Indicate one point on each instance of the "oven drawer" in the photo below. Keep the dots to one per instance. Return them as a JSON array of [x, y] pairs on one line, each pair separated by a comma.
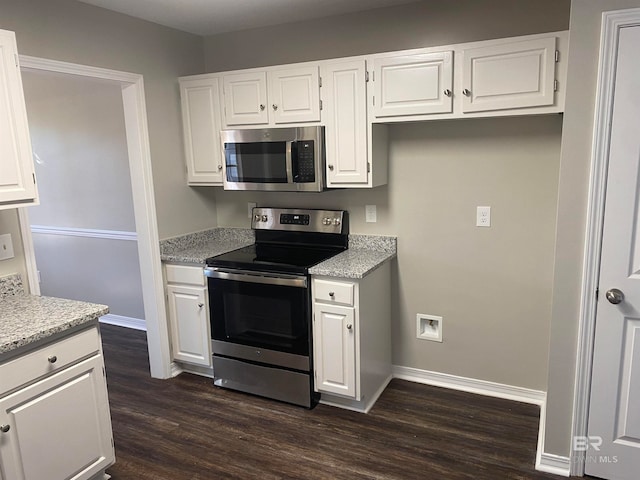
[[329, 291], [185, 274]]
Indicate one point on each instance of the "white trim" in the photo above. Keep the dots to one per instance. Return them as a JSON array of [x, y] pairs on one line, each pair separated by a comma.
[[471, 385], [612, 22], [85, 232], [135, 117], [555, 464], [362, 406], [29, 253], [122, 321]]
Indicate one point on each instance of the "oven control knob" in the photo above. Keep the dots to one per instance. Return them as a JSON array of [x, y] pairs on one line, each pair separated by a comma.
[[336, 221], [264, 218], [326, 221], [256, 218]]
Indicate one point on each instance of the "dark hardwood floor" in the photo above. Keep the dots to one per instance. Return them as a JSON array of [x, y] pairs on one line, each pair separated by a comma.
[[185, 428]]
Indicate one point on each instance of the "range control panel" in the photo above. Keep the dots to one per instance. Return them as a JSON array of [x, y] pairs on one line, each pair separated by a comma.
[[321, 221]]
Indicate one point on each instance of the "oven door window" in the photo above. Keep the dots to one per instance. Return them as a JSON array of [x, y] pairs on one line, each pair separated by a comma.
[[265, 316], [258, 162]]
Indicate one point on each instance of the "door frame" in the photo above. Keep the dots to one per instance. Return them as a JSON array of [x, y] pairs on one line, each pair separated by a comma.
[[612, 22], [137, 133]]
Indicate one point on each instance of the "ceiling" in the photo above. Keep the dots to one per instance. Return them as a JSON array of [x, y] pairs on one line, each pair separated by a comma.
[[209, 17]]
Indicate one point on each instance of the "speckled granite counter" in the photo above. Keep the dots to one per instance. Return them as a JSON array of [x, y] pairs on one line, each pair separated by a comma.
[[365, 254], [11, 285], [27, 320], [197, 247]]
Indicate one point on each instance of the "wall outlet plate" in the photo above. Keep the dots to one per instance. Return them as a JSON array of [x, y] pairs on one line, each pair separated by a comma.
[[429, 327], [483, 216], [250, 207], [6, 247], [370, 214]]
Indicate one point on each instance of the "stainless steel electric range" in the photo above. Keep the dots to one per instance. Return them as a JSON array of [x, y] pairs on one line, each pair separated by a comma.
[[260, 303]]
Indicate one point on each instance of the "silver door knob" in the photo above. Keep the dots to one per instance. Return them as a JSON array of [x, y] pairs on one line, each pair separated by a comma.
[[332, 294], [52, 359], [5, 428], [447, 92], [274, 106], [614, 296], [330, 167], [200, 305], [262, 107], [349, 326], [219, 167], [466, 92]]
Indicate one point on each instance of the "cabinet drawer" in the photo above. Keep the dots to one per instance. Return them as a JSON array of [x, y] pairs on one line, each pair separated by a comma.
[[328, 291], [41, 362], [185, 274]]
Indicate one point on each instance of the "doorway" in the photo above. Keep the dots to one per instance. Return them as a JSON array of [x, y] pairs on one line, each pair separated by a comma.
[[137, 139]]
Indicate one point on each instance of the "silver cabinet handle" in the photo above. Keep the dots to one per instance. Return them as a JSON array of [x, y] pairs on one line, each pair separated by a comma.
[[5, 428], [275, 107], [349, 326], [330, 167], [219, 167], [447, 92], [262, 107], [466, 92], [200, 305], [52, 359], [332, 294], [615, 296]]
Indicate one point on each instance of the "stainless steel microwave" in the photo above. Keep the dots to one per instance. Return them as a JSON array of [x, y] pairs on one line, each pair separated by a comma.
[[274, 159]]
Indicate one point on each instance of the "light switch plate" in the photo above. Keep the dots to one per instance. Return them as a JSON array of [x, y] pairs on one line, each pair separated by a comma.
[[6, 247], [370, 214]]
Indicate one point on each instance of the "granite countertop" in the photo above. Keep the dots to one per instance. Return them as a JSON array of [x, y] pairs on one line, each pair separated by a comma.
[[197, 247], [365, 253], [29, 319]]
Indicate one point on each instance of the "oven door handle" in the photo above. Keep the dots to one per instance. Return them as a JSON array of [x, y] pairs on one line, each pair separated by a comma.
[[255, 277]]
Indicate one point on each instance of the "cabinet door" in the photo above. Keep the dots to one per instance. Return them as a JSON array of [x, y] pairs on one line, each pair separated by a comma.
[[188, 315], [17, 179], [512, 75], [201, 119], [294, 95], [345, 105], [245, 99], [335, 349], [59, 427], [413, 84]]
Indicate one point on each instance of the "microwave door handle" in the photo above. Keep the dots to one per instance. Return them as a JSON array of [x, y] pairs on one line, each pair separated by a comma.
[[289, 161]]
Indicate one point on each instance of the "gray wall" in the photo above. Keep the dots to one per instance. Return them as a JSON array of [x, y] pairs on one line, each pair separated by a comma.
[[79, 141], [586, 18], [75, 32], [492, 286]]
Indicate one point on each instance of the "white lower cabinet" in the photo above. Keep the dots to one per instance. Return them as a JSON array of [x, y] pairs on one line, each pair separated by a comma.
[[352, 338], [58, 426], [188, 314]]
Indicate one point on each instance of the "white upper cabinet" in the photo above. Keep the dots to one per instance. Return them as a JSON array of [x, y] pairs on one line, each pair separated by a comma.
[[201, 124], [294, 95], [17, 177], [245, 99], [413, 84], [507, 76], [345, 118], [272, 97]]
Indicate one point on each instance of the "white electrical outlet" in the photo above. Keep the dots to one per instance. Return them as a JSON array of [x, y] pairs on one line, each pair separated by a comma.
[[250, 207], [6, 247], [483, 217], [370, 214]]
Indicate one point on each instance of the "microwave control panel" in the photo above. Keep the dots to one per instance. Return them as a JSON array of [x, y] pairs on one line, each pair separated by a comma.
[[303, 161]]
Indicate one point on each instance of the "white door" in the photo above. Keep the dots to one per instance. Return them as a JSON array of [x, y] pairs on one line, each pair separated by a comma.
[[614, 414], [294, 95], [512, 75], [190, 335], [413, 84], [201, 121], [17, 180], [345, 111], [59, 427], [334, 348], [245, 99]]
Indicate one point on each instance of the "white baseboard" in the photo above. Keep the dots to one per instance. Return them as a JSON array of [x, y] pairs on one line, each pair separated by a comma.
[[121, 321], [545, 462], [471, 385]]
